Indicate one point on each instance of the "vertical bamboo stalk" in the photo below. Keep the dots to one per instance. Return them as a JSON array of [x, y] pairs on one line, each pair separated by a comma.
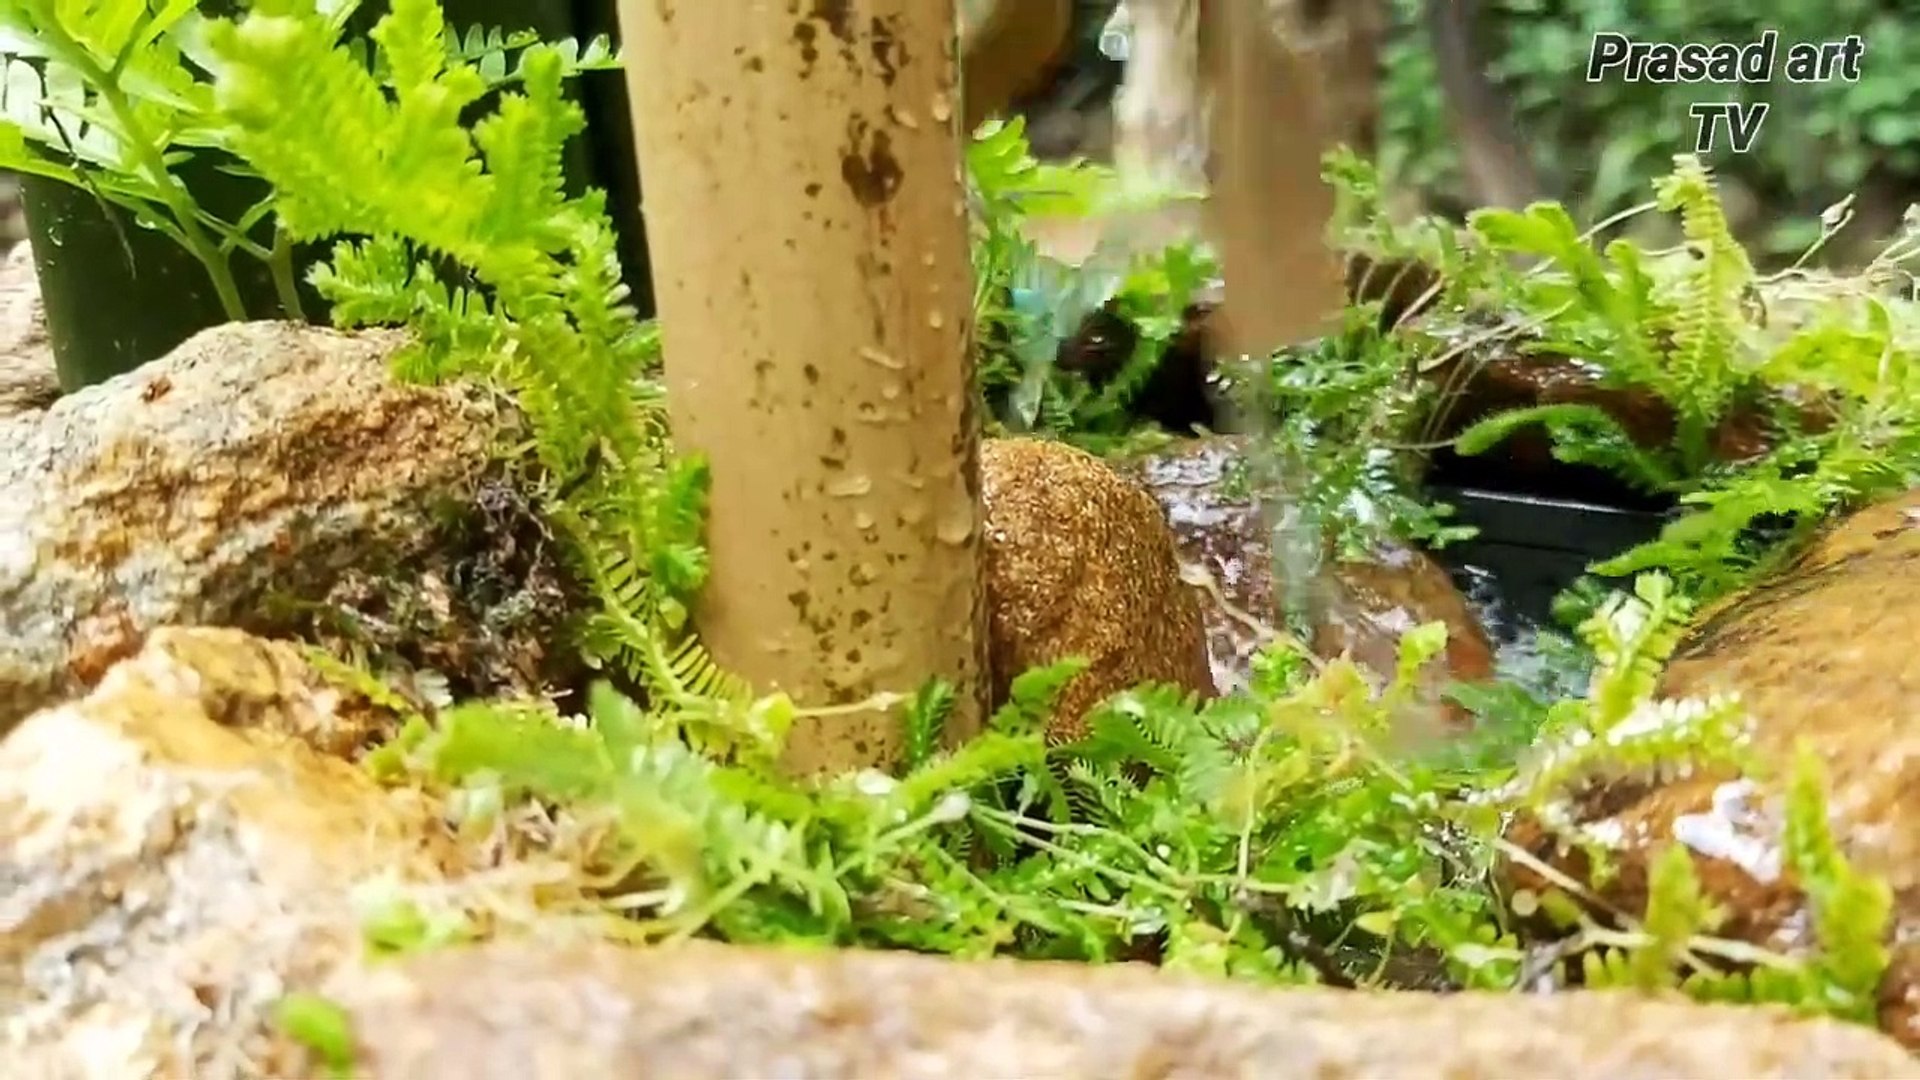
[[806, 215]]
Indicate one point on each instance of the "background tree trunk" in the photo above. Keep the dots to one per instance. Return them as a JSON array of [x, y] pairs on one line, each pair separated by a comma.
[[806, 213], [1008, 49], [1278, 107], [1495, 161], [1160, 110]]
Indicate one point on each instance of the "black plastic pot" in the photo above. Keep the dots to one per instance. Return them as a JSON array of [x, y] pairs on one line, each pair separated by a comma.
[[118, 296], [1533, 547]]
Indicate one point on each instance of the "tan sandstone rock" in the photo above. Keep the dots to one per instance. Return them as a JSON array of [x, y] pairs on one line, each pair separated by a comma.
[[175, 856], [1080, 563], [527, 1012], [1822, 653]]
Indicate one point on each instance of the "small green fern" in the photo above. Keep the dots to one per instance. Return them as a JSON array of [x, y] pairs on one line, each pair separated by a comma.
[[1028, 305], [468, 237], [1709, 324]]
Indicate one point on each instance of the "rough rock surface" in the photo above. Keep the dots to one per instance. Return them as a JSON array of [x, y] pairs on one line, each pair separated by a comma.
[[151, 916], [28, 379], [519, 1012], [174, 855], [13, 220], [1820, 654], [1366, 606], [1080, 563], [263, 475]]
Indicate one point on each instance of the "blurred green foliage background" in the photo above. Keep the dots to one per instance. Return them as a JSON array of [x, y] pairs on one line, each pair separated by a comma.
[[1596, 146]]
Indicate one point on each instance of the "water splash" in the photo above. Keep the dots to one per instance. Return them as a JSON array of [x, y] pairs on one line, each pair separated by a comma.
[[1116, 36], [1275, 471]]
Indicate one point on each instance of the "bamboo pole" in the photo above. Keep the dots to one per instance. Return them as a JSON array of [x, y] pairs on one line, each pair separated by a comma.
[[806, 211]]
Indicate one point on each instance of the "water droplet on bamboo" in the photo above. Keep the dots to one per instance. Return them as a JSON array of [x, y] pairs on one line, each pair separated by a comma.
[[885, 360], [957, 526], [936, 320], [941, 109], [848, 487], [906, 119], [890, 391], [863, 521]]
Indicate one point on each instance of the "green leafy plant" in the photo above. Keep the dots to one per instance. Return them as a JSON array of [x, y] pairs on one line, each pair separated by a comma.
[[1789, 395], [465, 234], [1216, 831], [1028, 305], [456, 224], [116, 97], [1595, 144], [1700, 331], [1334, 411], [1264, 836], [322, 1027], [1681, 337]]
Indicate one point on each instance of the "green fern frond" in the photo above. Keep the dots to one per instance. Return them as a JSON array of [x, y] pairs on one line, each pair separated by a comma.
[[1710, 317], [500, 56], [1677, 910], [1852, 911], [926, 721]]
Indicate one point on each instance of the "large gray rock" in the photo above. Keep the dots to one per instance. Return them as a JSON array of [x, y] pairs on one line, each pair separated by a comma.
[[175, 855], [271, 477]]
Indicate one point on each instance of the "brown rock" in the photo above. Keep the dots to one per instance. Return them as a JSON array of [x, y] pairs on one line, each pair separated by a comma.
[[1080, 563], [174, 855], [28, 379], [1501, 377], [1364, 607], [1821, 653], [273, 478], [530, 1012]]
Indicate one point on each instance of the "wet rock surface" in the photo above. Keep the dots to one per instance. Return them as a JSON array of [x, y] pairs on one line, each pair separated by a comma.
[[270, 477], [1498, 378], [175, 854], [1365, 606], [524, 1012], [1821, 655], [1080, 563]]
